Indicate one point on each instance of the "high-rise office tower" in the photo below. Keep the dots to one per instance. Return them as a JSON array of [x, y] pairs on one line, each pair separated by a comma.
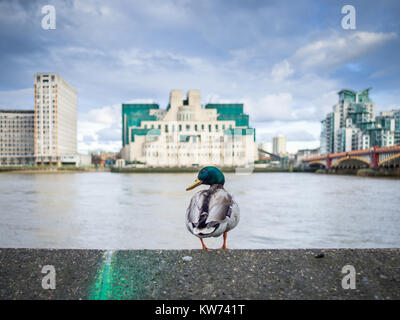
[[353, 126], [55, 127], [279, 145]]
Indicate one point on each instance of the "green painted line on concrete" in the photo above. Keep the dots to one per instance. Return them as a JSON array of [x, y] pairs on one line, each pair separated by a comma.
[[131, 275], [125, 275], [102, 287]]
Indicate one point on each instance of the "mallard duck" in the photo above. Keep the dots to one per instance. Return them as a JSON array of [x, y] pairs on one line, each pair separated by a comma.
[[212, 211]]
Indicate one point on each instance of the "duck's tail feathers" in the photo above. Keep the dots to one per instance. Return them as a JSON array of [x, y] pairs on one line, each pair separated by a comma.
[[205, 231]]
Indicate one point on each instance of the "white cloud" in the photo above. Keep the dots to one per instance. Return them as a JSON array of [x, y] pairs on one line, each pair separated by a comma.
[[100, 129], [157, 60], [299, 134], [339, 49], [92, 7], [140, 101], [271, 107], [281, 71]]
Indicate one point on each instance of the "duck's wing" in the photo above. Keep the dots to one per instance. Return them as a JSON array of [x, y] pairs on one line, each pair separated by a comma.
[[195, 208], [220, 206]]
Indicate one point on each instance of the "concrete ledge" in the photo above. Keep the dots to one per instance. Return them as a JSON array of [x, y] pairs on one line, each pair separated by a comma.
[[197, 274]]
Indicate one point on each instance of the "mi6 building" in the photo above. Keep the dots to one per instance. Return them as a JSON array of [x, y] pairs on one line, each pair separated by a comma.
[[187, 134]]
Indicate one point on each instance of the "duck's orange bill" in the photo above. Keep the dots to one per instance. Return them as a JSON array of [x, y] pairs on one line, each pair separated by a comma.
[[194, 185]]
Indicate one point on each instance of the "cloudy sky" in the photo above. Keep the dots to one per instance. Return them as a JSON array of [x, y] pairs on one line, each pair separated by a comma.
[[286, 60]]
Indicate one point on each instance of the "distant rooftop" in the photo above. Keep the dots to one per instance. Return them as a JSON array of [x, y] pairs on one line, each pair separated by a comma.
[[355, 92], [17, 111]]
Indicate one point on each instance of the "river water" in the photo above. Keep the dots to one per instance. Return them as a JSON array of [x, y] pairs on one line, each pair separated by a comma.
[[147, 211]]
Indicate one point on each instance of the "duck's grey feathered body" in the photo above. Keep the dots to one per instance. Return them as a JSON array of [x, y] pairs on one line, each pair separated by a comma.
[[212, 212]]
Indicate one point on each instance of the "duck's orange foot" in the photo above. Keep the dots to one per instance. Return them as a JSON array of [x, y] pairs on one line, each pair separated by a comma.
[[224, 245], [203, 245]]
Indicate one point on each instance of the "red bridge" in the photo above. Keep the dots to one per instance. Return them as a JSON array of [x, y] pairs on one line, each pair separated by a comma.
[[385, 157]]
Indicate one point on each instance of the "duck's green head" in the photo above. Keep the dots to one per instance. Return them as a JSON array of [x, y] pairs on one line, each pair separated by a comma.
[[209, 176]]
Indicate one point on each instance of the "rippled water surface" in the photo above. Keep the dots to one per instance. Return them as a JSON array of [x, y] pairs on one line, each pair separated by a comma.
[[132, 211]]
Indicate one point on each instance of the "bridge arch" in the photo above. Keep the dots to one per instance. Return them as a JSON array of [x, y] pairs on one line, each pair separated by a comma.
[[389, 159], [351, 161], [317, 162]]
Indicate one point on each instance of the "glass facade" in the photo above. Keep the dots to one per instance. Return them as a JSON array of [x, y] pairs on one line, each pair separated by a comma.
[[230, 111], [144, 132], [132, 116], [233, 111]]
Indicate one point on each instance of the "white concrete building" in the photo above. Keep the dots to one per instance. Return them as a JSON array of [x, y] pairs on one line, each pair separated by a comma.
[[186, 134], [344, 139], [16, 137], [55, 118], [279, 145], [77, 160]]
